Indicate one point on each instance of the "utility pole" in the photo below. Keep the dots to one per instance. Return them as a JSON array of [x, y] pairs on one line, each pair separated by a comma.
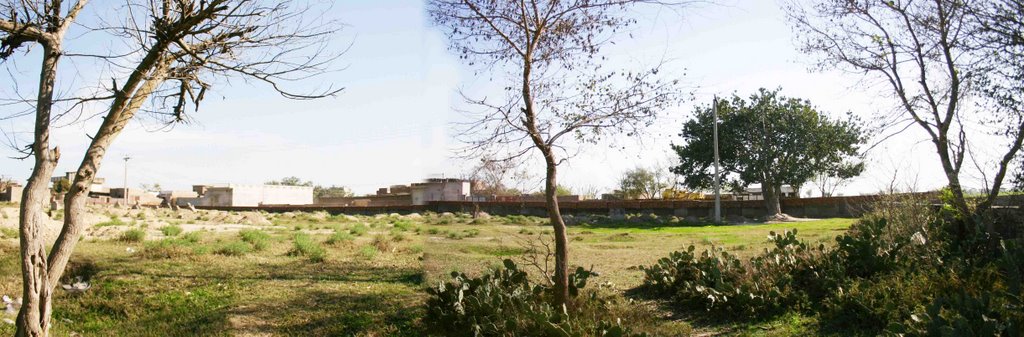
[[718, 193], [126, 179]]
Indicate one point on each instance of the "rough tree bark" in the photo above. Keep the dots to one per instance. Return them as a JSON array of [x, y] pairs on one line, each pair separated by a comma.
[[34, 316], [43, 24]]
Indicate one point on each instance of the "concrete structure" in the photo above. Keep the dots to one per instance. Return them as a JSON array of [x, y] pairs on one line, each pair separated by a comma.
[[134, 196], [440, 189], [755, 193], [11, 192], [232, 195], [97, 187], [171, 197]]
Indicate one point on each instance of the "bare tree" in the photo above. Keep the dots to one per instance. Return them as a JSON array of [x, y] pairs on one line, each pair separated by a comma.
[[557, 90], [42, 23], [929, 55], [492, 175], [183, 48]]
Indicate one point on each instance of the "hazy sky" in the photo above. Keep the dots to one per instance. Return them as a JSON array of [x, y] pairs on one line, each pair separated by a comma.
[[393, 122]]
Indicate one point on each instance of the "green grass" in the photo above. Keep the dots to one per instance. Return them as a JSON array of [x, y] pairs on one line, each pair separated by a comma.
[[7, 232], [114, 221], [340, 237], [368, 252], [305, 246], [234, 248], [259, 240], [183, 286], [358, 229], [171, 230], [133, 235]]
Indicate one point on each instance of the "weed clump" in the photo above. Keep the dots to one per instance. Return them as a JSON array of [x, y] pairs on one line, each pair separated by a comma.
[[303, 245], [114, 221], [259, 240], [368, 252], [132, 235], [358, 229], [170, 230], [340, 237], [234, 248]]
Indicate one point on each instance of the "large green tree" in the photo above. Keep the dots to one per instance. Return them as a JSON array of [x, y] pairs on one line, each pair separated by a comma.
[[642, 183], [767, 139]]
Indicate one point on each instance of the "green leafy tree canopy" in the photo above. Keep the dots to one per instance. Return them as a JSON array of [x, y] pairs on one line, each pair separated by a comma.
[[768, 139]]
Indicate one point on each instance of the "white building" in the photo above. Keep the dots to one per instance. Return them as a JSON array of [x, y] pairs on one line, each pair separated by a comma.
[[756, 193], [250, 195], [440, 190]]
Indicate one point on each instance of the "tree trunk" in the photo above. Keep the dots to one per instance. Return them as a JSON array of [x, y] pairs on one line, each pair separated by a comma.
[[771, 194], [34, 316], [561, 239], [78, 194]]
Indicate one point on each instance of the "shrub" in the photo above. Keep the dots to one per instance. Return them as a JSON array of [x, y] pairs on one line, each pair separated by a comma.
[[170, 230], [787, 276], [234, 248], [133, 235], [259, 240], [303, 245], [505, 303]]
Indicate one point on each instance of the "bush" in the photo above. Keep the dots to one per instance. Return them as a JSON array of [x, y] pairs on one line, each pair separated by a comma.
[[303, 245], [259, 240], [787, 276], [901, 270], [170, 230], [234, 248], [133, 235], [505, 303]]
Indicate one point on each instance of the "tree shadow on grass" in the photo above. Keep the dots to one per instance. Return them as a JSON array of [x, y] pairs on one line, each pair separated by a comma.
[[336, 313]]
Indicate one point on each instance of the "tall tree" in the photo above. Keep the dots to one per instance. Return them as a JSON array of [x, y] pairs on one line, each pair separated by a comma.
[[43, 23], [556, 88], [642, 183], [1000, 34], [769, 139], [934, 57], [181, 48]]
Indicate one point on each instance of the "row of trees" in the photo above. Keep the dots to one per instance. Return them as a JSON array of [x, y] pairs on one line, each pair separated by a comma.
[[174, 53], [934, 56], [319, 191]]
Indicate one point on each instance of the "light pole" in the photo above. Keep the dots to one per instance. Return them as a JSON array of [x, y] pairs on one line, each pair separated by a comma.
[[718, 194], [126, 180]]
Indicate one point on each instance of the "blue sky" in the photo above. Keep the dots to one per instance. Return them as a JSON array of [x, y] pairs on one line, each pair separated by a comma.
[[393, 122]]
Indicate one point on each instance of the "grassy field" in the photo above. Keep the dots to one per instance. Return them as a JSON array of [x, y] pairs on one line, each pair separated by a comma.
[[317, 275]]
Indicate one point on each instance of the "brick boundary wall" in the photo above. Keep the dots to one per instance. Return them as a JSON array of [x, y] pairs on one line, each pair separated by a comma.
[[830, 207]]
